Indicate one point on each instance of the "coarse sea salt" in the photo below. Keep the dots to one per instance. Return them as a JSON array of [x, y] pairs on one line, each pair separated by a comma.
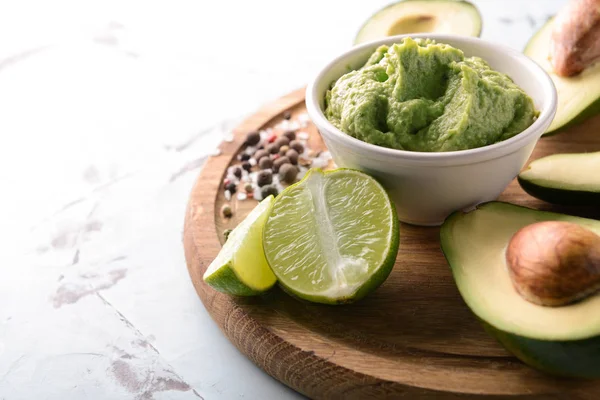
[[319, 162], [228, 137], [283, 125], [278, 185], [303, 135], [304, 119], [242, 196], [301, 173], [227, 195], [232, 178]]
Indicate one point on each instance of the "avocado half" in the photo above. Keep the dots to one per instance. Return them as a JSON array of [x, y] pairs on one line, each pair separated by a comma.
[[570, 179], [578, 96], [413, 16], [559, 340]]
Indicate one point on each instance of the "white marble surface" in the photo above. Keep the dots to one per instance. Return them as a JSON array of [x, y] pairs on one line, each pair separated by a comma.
[[108, 111]]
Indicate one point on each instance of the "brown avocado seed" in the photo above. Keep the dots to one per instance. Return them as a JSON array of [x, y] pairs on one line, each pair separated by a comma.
[[554, 263]]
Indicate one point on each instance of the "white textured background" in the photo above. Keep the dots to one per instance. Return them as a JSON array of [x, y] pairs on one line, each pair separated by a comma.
[[108, 110]]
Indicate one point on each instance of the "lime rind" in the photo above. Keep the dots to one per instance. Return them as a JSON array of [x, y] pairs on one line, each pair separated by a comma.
[[225, 280], [240, 268]]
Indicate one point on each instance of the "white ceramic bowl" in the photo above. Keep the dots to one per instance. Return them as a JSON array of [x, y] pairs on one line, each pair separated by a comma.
[[427, 187]]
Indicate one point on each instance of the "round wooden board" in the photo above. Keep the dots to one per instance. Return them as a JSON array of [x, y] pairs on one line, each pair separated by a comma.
[[412, 338]]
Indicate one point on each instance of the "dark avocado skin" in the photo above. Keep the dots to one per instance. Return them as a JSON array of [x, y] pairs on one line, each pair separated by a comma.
[[574, 359], [560, 196]]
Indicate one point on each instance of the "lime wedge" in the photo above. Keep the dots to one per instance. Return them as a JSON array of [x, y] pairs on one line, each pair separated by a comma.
[[333, 237], [240, 268]]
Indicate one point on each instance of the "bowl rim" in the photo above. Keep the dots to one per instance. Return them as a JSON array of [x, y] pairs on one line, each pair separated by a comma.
[[490, 151]]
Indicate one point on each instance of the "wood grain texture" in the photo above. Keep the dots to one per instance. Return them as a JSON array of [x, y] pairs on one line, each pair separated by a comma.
[[412, 338]]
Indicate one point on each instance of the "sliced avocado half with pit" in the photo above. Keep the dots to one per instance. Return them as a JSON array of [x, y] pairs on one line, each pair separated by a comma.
[[570, 179], [559, 340], [414, 16], [578, 96]]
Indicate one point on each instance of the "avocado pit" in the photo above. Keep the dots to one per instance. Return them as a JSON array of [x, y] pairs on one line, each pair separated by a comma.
[[412, 24], [576, 37], [554, 263]]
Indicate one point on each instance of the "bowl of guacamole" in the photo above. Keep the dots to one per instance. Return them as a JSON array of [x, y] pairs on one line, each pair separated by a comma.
[[421, 95], [443, 121]]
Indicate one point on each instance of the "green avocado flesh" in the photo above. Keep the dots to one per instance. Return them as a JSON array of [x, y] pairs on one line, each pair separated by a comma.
[[560, 340], [578, 96], [441, 16], [420, 95], [572, 179]]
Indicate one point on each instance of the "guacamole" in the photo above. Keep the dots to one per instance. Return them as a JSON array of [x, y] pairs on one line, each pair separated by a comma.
[[420, 95]]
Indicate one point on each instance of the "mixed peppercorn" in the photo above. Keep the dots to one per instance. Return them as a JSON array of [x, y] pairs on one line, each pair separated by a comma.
[[269, 162]]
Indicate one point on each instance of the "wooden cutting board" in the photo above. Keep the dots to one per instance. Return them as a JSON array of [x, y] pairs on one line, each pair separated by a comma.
[[412, 338]]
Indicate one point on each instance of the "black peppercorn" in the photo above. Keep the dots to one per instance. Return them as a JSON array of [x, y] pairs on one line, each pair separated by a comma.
[[288, 173], [268, 190], [292, 155], [279, 162], [260, 154], [252, 138], [231, 187], [291, 135], [226, 210], [282, 141], [265, 163], [296, 145], [264, 178]]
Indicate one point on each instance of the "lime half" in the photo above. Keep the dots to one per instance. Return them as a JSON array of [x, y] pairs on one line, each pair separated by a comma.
[[332, 237], [240, 268]]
